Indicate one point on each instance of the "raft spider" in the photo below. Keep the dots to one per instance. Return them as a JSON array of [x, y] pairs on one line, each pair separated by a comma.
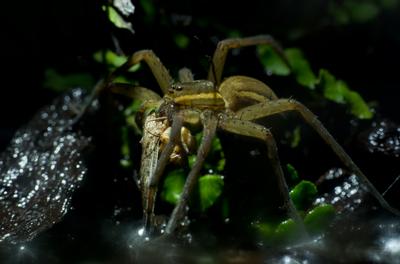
[[232, 105]]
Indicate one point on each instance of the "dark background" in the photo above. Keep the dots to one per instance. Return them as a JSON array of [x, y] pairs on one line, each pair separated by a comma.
[[64, 35]]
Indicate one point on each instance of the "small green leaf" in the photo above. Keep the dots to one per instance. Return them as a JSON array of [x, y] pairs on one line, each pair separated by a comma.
[[292, 172], [286, 231], [210, 188], [302, 194], [149, 9], [358, 106], [125, 161], [113, 60], [191, 160], [389, 4], [181, 40], [362, 11], [60, 83], [225, 208], [339, 92], [333, 90], [318, 219], [296, 137], [118, 20], [266, 230], [173, 186], [272, 61], [301, 68]]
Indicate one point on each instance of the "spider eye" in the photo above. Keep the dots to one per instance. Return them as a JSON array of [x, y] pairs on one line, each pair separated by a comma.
[[178, 87]]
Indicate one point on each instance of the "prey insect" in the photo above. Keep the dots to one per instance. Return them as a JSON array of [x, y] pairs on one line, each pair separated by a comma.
[[232, 104]]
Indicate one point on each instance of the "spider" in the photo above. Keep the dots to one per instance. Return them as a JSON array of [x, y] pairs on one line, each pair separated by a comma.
[[232, 105]]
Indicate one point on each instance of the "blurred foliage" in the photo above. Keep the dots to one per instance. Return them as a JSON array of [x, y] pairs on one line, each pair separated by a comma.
[[173, 186], [210, 188], [332, 88], [64, 82], [294, 176], [316, 219], [210, 183], [118, 19], [359, 11], [303, 194]]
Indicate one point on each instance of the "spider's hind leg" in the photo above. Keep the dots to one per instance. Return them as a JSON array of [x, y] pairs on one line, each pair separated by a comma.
[[249, 129], [284, 105]]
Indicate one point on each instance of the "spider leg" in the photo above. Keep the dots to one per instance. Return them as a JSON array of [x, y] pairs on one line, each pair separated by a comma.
[[283, 105], [209, 129], [240, 91], [150, 183], [219, 57], [250, 129], [157, 68], [135, 92]]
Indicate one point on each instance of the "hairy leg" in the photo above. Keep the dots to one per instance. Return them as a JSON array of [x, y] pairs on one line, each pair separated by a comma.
[[241, 91], [157, 68], [283, 105], [250, 129], [135, 92], [209, 127], [219, 57]]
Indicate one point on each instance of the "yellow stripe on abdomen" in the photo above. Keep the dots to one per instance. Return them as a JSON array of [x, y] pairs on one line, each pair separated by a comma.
[[202, 100]]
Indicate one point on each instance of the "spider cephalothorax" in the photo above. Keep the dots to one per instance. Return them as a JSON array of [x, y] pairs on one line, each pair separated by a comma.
[[231, 105]]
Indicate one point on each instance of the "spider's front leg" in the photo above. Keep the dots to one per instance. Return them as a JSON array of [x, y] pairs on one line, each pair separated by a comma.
[[159, 71], [283, 105], [219, 57], [209, 121], [250, 129]]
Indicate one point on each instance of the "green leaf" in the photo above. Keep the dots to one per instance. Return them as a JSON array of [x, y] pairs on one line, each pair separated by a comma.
[[292, 172], [149, 9], [130, 116], [267, 230], [362, 11], [302, 194], [181, 40], [318, 219], [210, 188], [117, 19], [339, 92], [389, 4], [60, 83], [173, 186], [272, 61], [286, 231], [358, 106], [215, 160], [301, 68], [113, 60], [296, 137]]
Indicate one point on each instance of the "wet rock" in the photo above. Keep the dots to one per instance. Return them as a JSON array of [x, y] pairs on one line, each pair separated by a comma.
[[383, 138], [41, 168]]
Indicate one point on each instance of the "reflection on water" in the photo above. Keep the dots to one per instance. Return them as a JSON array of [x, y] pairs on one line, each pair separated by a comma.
[[360, 234]]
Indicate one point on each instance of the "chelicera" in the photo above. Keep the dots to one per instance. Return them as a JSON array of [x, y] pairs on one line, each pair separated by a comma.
[[232, 105]]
